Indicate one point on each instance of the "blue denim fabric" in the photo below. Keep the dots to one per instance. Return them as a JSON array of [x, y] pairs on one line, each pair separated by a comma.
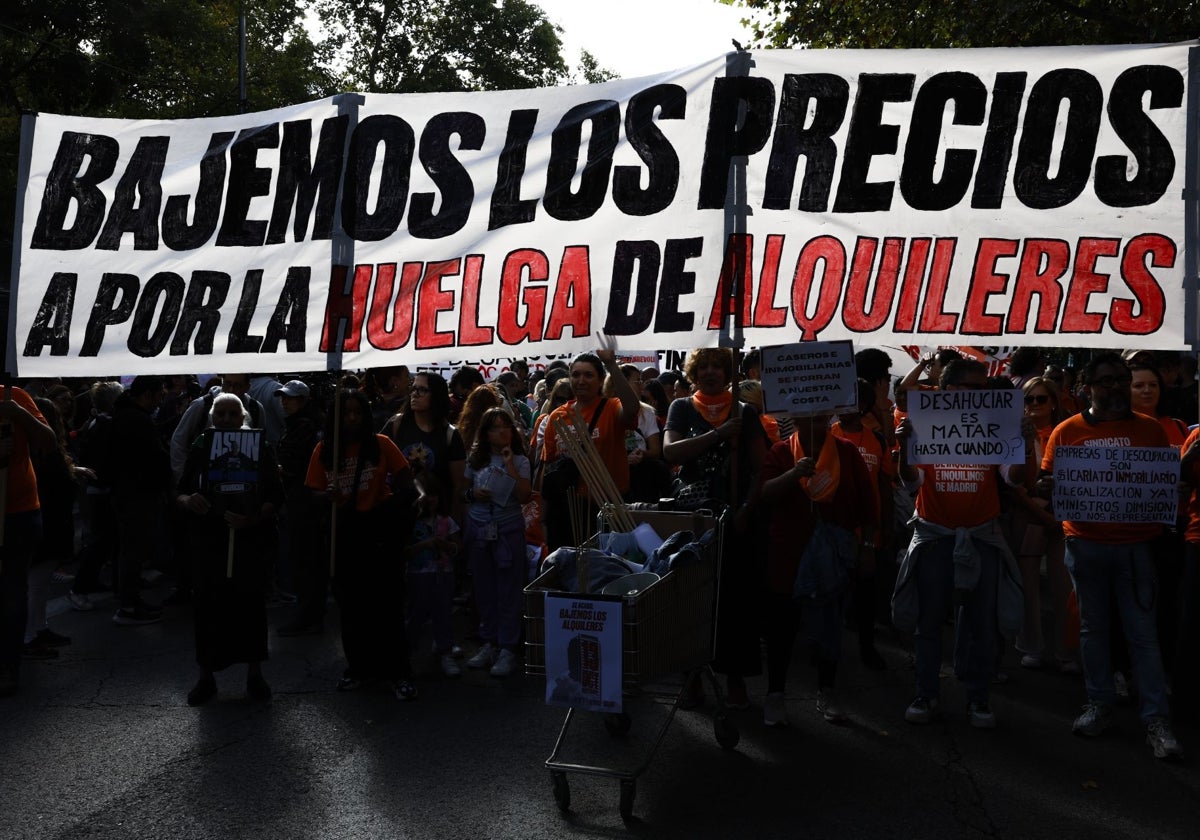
[[935, 592], [1101, 572]]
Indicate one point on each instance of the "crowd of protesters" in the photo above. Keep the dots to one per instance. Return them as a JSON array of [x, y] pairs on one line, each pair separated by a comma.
[[404, 495]]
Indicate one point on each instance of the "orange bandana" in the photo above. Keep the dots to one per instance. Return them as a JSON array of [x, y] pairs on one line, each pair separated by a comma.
[[715, 410], [821, 486]]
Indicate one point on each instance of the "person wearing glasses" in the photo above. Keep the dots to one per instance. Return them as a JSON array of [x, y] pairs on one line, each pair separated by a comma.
[[431, 445], [1038, 535], [1114, 561], [958, 554]]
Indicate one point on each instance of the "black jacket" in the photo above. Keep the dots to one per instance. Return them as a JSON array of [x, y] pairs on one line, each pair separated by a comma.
[[137, 463]]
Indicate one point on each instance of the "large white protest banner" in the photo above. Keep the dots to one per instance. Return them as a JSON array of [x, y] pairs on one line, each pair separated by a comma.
[[966, 427], [998, 196], [1116, 484]]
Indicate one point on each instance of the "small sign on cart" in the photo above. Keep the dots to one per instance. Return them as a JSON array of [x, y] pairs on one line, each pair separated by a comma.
[[583, 653]]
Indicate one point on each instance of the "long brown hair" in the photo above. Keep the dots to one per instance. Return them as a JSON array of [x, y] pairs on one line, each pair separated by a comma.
[[481, 451]]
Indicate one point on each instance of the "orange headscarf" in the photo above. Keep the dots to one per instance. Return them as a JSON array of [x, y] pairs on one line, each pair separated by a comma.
[[822, 484]]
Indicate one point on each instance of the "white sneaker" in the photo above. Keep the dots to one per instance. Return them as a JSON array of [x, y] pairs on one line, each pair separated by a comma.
[[1095, 720], [775, 709], [828, 706], [1121, 686], [450, 666], [80, 602], [506, 663], [1162, 740], [485, 657], [981, 715]]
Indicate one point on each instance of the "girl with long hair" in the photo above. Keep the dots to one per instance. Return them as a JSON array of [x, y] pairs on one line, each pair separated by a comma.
[[498, 477]]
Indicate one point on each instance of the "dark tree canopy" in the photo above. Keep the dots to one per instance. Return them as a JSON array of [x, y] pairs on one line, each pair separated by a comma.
[[966, 23], [409, 46]]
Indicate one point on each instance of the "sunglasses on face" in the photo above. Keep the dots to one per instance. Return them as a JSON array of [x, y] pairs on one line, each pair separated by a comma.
[[1037, 399], [1113, 381]]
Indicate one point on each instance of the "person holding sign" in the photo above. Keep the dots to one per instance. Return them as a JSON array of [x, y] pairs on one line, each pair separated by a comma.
[[824, 511], [957, 553], [1114, 560], [497, 476], [231, 488]]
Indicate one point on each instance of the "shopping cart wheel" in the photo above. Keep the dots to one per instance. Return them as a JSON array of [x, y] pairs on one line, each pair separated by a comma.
[[628, 792], [618, 724], [562, 791], [726, 732]]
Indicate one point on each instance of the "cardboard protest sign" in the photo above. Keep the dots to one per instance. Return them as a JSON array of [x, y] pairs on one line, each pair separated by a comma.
[[584, 656], [817, 377], [1006, 197], [966, 427], [1116, 484], [233, 463]]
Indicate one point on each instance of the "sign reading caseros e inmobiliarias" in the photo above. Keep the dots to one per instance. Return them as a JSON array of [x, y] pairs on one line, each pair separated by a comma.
[[999, 196]]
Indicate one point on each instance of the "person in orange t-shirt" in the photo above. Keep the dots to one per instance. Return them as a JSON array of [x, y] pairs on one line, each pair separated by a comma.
[[1114, 561], [22, 430], [371, 487], [1186, 685], [878, 458], [955, 497], [608, 421]]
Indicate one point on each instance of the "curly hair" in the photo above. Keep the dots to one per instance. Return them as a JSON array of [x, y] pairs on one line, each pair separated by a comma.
[[722, 356]]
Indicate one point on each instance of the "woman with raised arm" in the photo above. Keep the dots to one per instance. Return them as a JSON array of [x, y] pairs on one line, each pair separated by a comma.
[[609, 419]]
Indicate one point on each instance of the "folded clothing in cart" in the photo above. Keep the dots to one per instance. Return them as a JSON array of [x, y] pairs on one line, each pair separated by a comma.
[[602, 568], [680, 549]]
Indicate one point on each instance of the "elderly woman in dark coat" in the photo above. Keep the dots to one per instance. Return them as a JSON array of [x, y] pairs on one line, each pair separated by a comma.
[[229, 536]]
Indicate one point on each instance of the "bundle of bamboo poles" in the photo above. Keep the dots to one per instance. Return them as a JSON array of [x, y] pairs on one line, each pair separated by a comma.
[[575, 440]]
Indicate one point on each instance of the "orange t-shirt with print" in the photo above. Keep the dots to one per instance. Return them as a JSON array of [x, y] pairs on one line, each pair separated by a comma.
[[22, 483], [1191, 474], [1138, 430], [372, 487], [958, 495], [877, 457], [608, 436]]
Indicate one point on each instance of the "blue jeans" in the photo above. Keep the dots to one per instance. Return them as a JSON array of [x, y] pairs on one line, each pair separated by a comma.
[[935, 592], [1101, 572]]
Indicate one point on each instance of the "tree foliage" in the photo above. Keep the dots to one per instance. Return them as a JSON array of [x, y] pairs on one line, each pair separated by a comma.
[[965, 23], [407, 46]]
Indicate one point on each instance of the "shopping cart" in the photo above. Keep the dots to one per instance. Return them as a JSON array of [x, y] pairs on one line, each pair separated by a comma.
[[667, 639]]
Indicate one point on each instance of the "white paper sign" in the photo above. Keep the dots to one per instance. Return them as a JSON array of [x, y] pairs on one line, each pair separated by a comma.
[[1116, 484], [583, 654], [816, 377], [966, 427]]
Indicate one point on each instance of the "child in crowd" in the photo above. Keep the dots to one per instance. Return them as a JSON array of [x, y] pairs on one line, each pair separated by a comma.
[[497, 475], [430, 560]]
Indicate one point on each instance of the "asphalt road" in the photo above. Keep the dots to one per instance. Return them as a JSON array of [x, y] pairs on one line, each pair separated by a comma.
[[101, 743]]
